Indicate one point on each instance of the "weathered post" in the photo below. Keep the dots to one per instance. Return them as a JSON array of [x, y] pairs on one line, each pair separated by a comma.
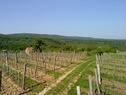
[[96, 58], [44, 62], [0, 57], [7, 59], [66, 57], [16, 60], [78, 90], [26, 59], [32, 55], [97, 82], [38, 55], [36, 64], [99, 77], [54, 62], [0, 79], [62, 54], [71, 58], [90, 84], [43, 57], [18, 78], [7, 65], [24, 75]]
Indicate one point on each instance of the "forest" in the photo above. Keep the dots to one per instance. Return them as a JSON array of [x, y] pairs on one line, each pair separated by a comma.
[[18, 42]]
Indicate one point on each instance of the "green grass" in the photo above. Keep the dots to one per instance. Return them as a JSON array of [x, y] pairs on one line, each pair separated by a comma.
[[110, 69], [83, 81], [110, 91], [116, 78], [64, 83], [115, 61]]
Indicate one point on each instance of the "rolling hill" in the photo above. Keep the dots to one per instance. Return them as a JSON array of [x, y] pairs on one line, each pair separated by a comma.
[[20, 41]]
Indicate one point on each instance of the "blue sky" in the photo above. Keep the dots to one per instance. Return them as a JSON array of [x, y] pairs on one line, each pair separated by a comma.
[[85, 18]]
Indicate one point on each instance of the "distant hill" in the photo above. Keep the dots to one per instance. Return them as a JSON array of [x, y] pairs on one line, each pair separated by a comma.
[[46, 36], [21, 40]]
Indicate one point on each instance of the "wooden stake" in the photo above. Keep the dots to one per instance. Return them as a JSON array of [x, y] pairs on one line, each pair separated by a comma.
[[26, 59], [24, 75], [7, 60], [16, 60], [0, 80], [54, 62], [97, 82], [99, 77], [78, 90], [36, 65], [18, 78], [44, 62], [7, 65], [90, 84], [43, 57]]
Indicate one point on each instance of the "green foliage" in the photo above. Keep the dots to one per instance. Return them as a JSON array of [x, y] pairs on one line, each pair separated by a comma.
[[68, 47], [17, 42], [38, 45]]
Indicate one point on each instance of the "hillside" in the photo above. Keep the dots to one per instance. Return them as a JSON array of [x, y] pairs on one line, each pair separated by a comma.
[[16, 42]]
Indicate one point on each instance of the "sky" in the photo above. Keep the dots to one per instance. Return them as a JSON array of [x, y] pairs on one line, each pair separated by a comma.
[[85, 18]]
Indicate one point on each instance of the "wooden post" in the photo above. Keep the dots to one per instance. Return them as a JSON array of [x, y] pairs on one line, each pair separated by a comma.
[[96, 58], [24, 75], [78, 90], [62, 54], [7, 59], [49, 57], [66, 57], [54, 61], [99, 77], [16, 60], [43, 57], [26, 59], [90, 84], [60, 59], [0, 57], [44, 62], [38, 55], [7, 65], [18, 78], [97, 82], [71, 58], [42, 54], [32, 55], [36, 64], [0, 79]]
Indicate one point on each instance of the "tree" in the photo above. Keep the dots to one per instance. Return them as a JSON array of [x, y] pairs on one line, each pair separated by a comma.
[[38, 45]]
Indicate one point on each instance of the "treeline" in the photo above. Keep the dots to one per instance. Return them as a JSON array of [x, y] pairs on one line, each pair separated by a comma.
[[17, 42]]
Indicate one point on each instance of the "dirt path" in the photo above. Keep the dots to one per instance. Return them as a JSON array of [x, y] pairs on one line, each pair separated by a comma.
[[74, 81], [59, 80]]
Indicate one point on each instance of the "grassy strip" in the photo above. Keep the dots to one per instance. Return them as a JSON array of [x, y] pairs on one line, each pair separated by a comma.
[[58, 74], [116, 78], [116, 70], [83, 81], [110, 91], [64, 83]]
